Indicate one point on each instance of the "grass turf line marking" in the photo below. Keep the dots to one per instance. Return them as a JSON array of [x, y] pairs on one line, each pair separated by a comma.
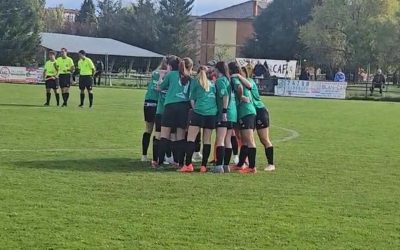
[[293, 135]]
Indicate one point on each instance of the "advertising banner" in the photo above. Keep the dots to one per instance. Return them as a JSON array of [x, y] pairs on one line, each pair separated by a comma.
[[20, 74], [312, 89], [278, 68]]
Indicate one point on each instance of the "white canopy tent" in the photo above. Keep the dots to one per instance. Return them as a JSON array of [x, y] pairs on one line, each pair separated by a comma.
[[94, 46]]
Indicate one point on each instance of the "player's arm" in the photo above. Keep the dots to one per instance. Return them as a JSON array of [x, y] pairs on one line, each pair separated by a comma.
[[57, 69], [44, 73], [93, 68], [165, 83], [244, 81], [72, 69]]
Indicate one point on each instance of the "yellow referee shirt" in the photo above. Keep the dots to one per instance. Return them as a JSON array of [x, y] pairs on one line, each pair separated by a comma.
[[50, 69], [65, 65], [86, 67]]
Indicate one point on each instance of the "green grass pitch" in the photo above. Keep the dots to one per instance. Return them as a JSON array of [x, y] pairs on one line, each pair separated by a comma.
[[70, 179]]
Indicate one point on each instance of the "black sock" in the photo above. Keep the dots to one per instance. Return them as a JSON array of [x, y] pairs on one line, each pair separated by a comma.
[[220, 156], [269, 152], [169, 151], [235, 145], [228, 155], [206, 154], [243, 155], [181, 151], [82, 99], [252, 157], [190, 147], [155, 148], [198, 143], [145, 143], [66, 98], [90, 99], [48, 97], [174, 150], [58, 99], [162, 148]]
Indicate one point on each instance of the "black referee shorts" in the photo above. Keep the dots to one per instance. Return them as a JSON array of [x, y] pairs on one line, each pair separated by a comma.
[[65, 80], [51, 84], [85, 82]]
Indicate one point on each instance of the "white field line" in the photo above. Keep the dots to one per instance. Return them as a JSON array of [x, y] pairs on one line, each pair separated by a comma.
[[293, 135]]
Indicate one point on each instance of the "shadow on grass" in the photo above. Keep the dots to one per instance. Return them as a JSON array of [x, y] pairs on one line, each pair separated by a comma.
[[121, 165], [21, 105]]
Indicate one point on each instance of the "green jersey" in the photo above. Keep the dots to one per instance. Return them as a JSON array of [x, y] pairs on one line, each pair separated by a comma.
[[256, 95], [205, 101], [244, 109], [177, 92], [152, 92], [160, 103], [224, 88], [51, 68]]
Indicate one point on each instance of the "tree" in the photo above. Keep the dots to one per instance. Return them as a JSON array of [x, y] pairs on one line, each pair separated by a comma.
[[19, 33], [353, 33], [277, 29], [108, 17], [54, 19], [86, 21], [176, 27]]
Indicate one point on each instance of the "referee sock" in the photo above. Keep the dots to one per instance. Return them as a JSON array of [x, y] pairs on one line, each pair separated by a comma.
[[206, 154], [145, 143], [243, 155], [252, 152], [48, 97], [220, 156], [155, 148], [235, 146], [91, 100], [64, 97], [227, 157], [82, 99], [190, 148], [58, 99], [269, 152]]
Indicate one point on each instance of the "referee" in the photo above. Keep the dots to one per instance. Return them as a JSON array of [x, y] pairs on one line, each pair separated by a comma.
[[86, 73], [66, 67]]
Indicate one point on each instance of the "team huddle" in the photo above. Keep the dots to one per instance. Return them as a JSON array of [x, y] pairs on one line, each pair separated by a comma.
[[58, 73], [181, 107]]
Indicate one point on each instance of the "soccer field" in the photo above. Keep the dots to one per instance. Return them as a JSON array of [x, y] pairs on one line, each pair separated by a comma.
[[71, 178]]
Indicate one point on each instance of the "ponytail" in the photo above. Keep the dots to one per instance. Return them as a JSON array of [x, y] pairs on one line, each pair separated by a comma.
[[185, 70], [203, 79]]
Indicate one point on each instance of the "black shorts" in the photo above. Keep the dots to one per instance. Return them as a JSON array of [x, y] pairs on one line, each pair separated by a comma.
[[65, 80], [150, 109], [51, 84], [228, 125], [176, 115], [262, 119], [247, 122], [202, 121], [157, 121], [85, 82]]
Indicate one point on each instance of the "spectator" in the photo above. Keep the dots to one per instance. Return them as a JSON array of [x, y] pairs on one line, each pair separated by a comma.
[[396, 78], [378, 82], [305, 75], [99, 72], [250, 68], [340, 76]]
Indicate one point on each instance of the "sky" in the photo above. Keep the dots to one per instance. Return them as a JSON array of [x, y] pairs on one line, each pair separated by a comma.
[[201, 7]]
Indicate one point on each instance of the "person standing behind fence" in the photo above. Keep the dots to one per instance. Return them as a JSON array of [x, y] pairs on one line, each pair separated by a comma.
[[50, 74], [66, 68], [86, 73], [340, 76], [99, 72], [378, 82]]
